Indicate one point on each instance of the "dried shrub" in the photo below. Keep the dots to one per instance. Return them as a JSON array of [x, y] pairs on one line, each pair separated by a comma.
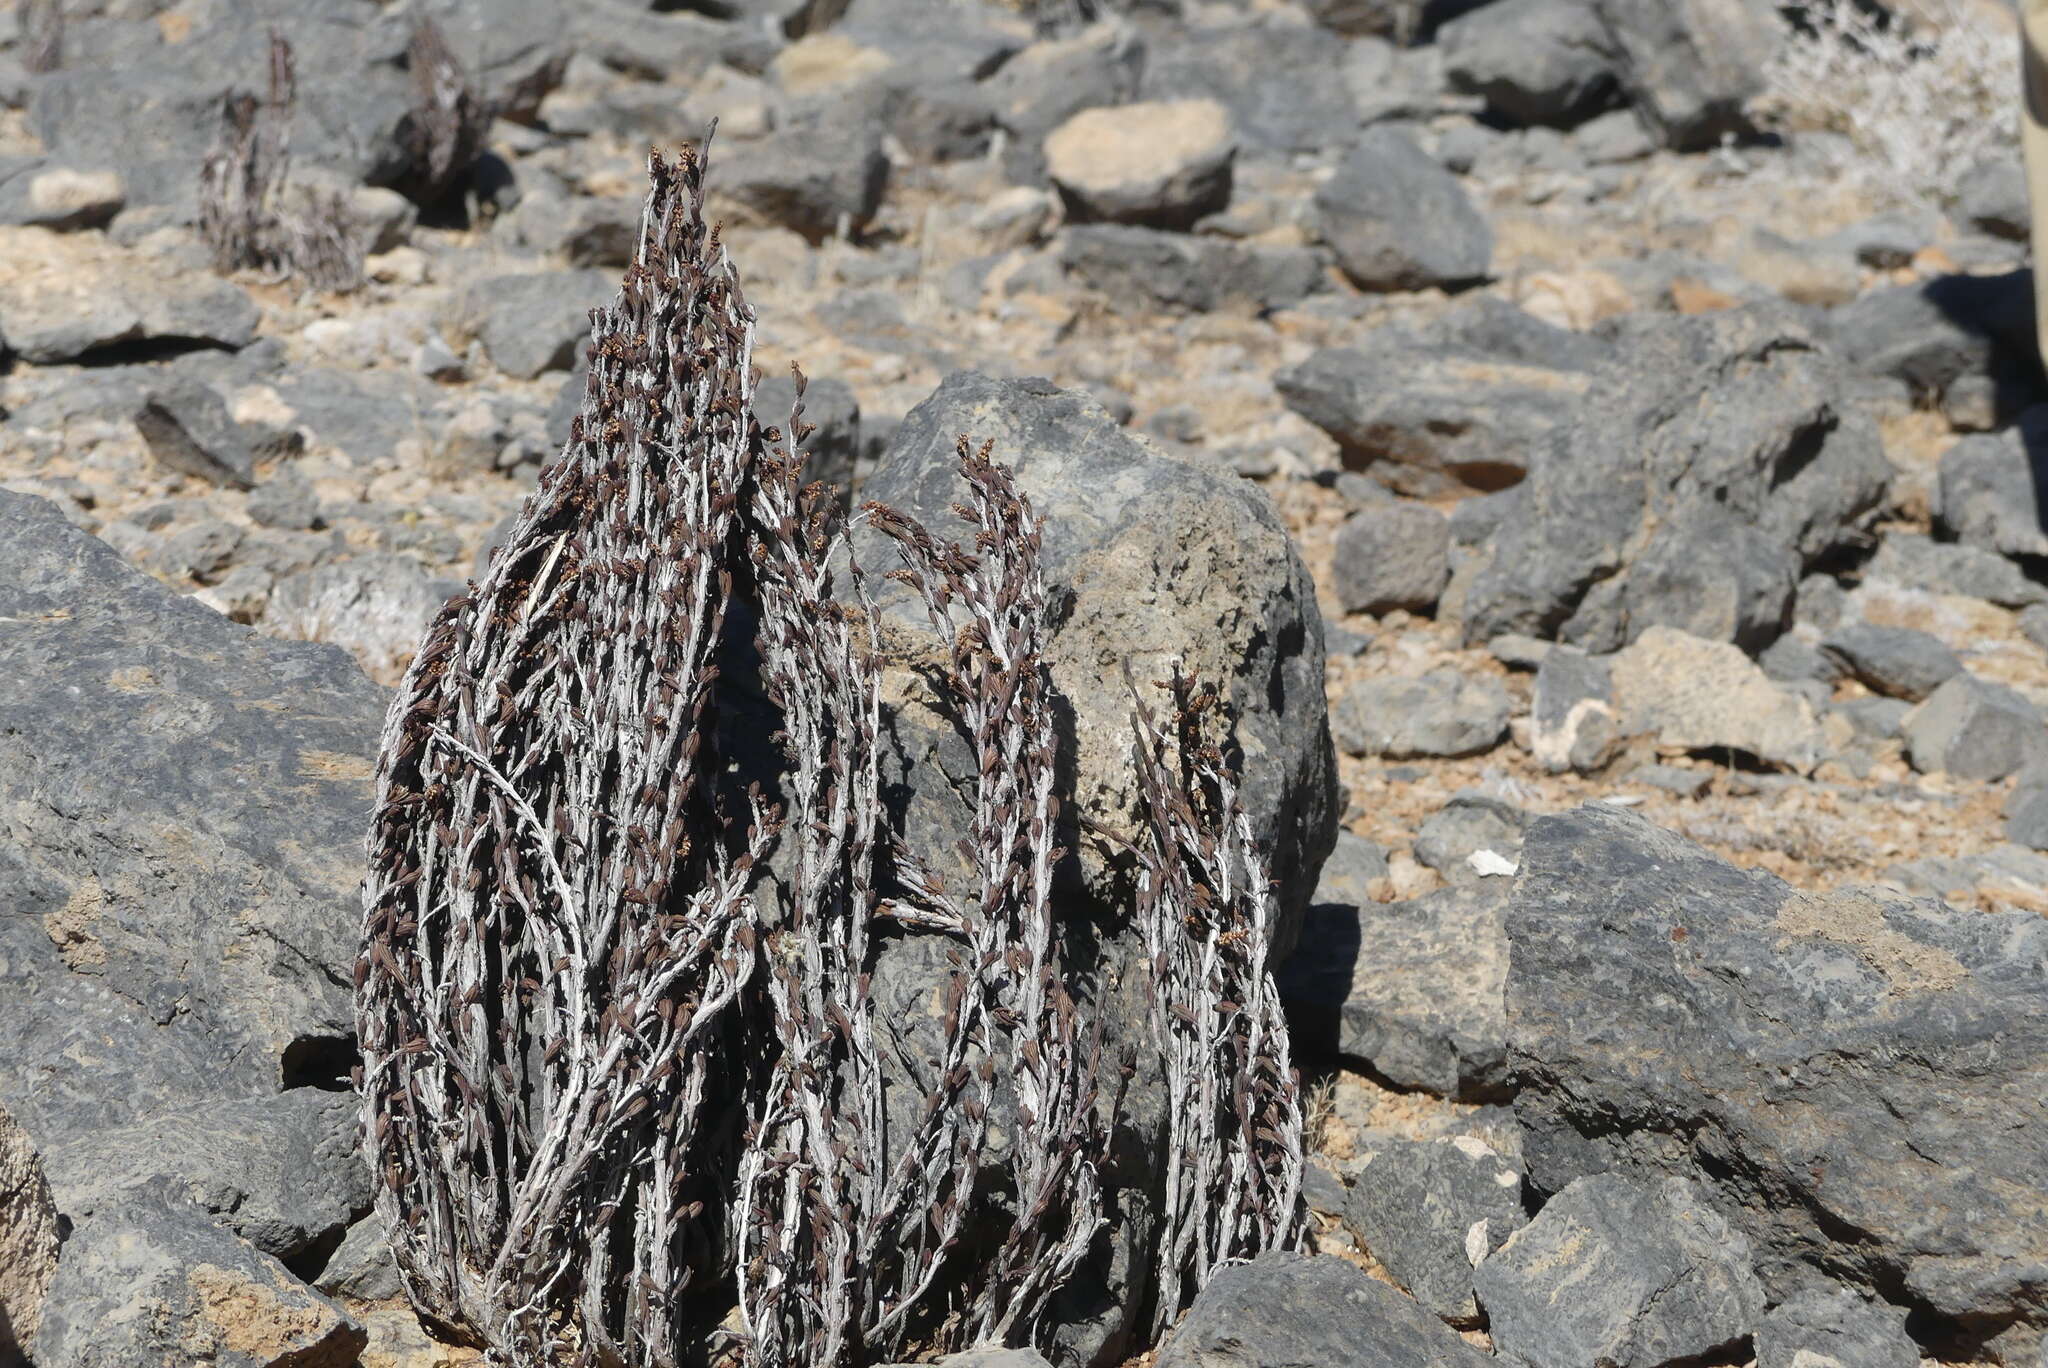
[[621, 1062], [445, 128], [250, 216], [1916, 102]]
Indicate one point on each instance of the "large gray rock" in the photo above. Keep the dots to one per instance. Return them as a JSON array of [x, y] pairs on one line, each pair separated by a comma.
[[1834, 1329], [1533, 61], [1162, 558], [1161, 163], [81, 295], [1898, 662], [1432, 419], [187, 427], [1933, 333], [1287, 1311], [1713, 577], [1691, 68], [181, 813], [1974, 729], [1442, 713], [1146, 270], [1430, 1212], [1989, 489], [1856, 1079], [1624, 1274], [1391, 555], [1471, 822], [1728, 418], [814, 176], [1398, 220], [536, 322], [1915, 561], [155, 1282], [1411, 988]]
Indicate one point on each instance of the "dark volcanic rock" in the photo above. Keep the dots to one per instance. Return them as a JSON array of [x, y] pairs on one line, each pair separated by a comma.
[[1287, 1311], [1856, 1079], [154, 1282], [1896, 661], [1431, 1212], [181, 813], [1398, 220], [1412, 988], [1690, 70], [1284, 91], [1733, 417], [1392, 555], [1624, 1274], [1162, 557], [1533, 61], [1146, 269], [1991, 489], [1822, 1327], [1433, 418]]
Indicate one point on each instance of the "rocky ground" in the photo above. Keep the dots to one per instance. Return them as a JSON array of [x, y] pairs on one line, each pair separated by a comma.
[[1673, 991]]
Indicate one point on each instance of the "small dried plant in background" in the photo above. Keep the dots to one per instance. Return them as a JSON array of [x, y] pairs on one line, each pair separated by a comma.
[[621, 1062], [250, 216], [445, 127], [1918, 99]]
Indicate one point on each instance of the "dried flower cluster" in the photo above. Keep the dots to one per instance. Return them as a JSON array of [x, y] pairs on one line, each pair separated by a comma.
[[251, 216], [621, 1061]]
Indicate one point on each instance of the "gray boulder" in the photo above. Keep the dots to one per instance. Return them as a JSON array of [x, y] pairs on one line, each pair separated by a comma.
[[1471, 822], [1434, 418], [536, 322], [88, 295], [1915, 561], [1160, 163], [1161, 558], [1992, 197], [1391, 555], [829, 405], [1974, 729], [1533, 61], [1854, 1078], [813, 176], [1620, 1273], [1931, 334], [1691, 70], [1398, 220], [1834, 1329], [187, 427], [1442, 713], [1574, 724], [1286, 1310], [1284, 91], [1147, 270], [1149, 558], [1988, 492], [153, 1281], [1431, 1212], [1696, 423], [1898, 662], [280, 1171], [1714, 577], [1412, 988], [185, 806]]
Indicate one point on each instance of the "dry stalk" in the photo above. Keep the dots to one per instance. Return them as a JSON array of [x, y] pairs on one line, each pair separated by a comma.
[[1011, 983], [557, 922], [1234, 1156], [249, 217]]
